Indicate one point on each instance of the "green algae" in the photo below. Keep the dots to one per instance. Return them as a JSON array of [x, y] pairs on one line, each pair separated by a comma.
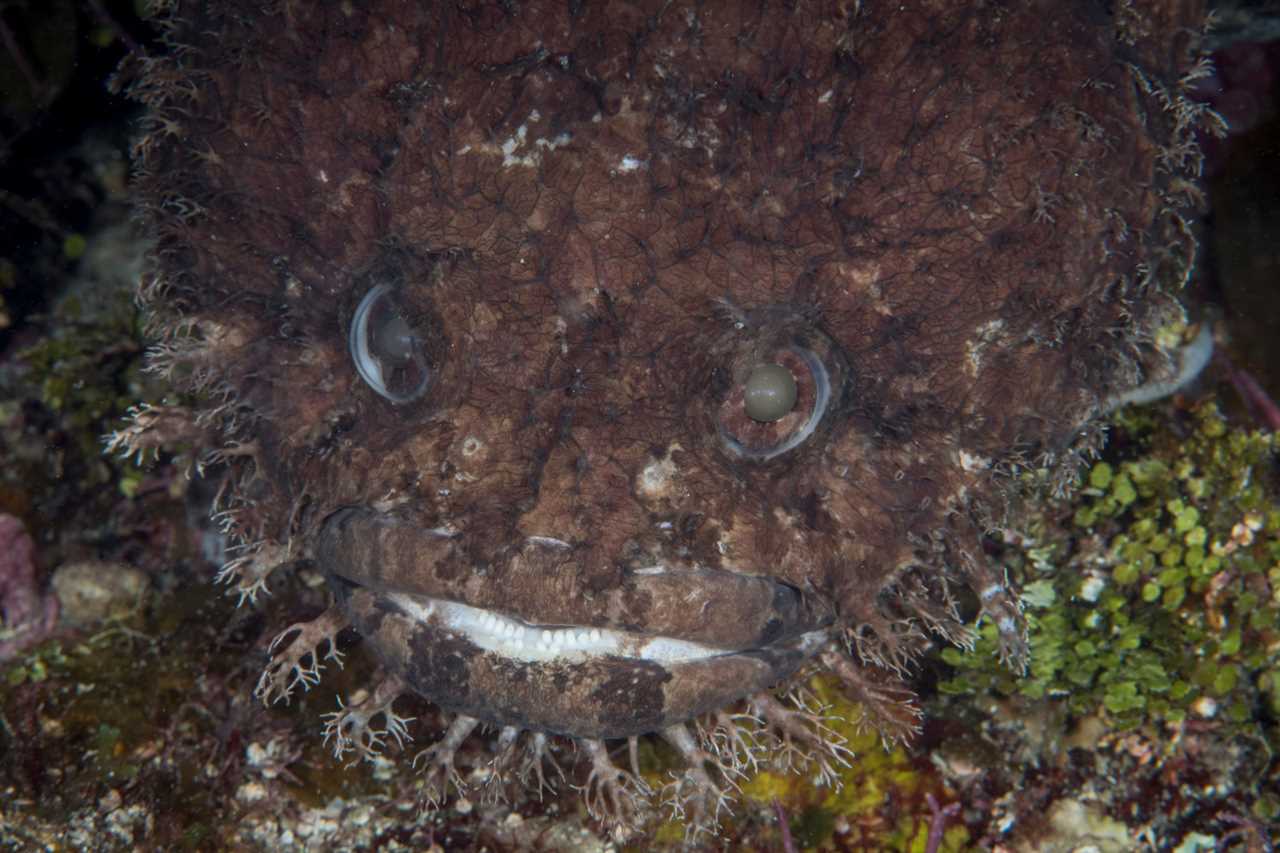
[[102, 704], [88, 368], [1161, 596]]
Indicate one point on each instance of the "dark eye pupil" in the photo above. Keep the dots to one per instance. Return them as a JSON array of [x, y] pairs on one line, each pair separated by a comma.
[[394, 340], [777, 397], [769, 393], [387, 349]]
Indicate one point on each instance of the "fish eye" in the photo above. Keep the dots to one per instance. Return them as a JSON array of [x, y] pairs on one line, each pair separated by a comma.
[[387, 349], [775, 403]]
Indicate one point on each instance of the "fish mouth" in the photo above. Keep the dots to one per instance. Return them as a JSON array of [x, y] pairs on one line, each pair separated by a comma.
[[540, 600], [514, 639], [577, 681], [519, 641], [522, 644]]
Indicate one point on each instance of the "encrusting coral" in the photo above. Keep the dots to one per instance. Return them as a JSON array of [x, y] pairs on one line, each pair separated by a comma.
[[26, 614]]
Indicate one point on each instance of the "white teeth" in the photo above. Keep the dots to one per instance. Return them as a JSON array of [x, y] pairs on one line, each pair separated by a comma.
[[511, 638]]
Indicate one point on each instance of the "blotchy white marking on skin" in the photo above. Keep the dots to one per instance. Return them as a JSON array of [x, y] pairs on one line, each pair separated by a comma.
[[518, 640], [548, 541], [972, 462], [984, 336], [630, 164]]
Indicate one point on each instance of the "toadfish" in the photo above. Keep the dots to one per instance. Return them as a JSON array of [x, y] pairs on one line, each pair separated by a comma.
[[620, 365]]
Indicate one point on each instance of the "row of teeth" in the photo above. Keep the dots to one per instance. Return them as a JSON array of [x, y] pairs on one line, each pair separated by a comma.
[[550, 640], [511, 638]]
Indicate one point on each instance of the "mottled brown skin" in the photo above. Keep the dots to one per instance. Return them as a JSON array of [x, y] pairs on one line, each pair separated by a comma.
[[598, 217]]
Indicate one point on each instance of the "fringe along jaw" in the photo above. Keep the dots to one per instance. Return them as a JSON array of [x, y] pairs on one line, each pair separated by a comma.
[[474, 299]]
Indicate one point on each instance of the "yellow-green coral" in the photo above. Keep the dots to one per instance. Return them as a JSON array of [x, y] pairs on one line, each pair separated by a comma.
[[1162, 595], [876, 777], [880, 798]]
